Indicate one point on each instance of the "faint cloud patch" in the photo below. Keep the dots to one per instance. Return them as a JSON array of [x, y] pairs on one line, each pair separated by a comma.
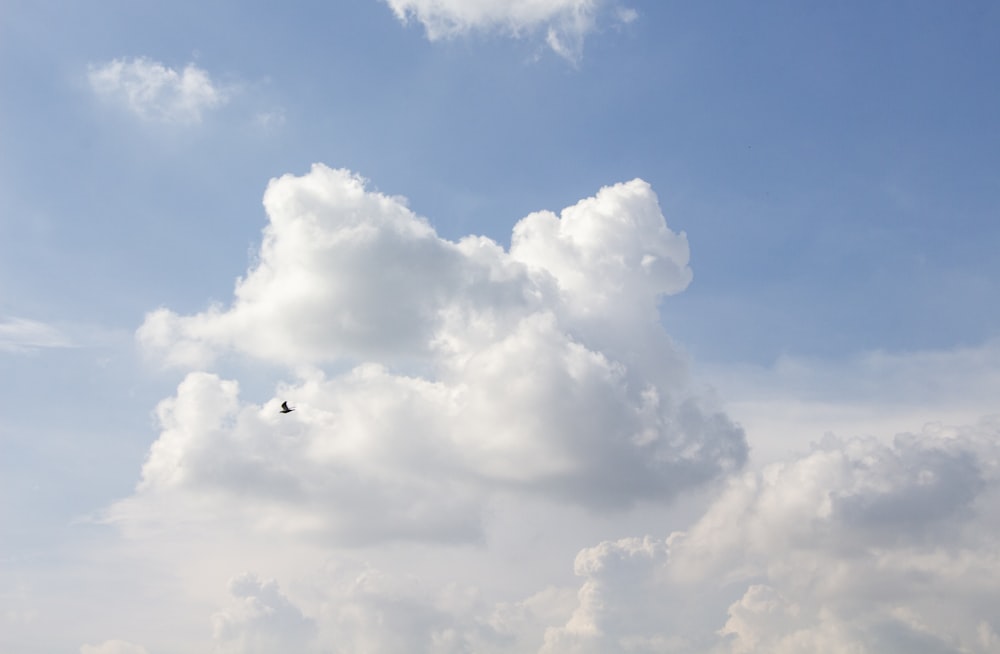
[[626, 15], [268, 120], [157, 92], [19, 335]]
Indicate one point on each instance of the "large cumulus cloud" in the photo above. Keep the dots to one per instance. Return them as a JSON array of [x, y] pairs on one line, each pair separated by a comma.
[[471, 370]]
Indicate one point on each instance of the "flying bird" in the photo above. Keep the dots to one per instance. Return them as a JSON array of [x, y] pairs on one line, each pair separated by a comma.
[[285, 408]]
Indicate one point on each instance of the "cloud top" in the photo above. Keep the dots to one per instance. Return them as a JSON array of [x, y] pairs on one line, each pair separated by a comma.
[[347, 272]]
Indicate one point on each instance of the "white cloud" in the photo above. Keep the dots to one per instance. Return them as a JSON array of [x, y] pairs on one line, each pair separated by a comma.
[[370, 610], [856, 546], [113, 647], [156, 92], [541, 371], [566, 23], [19, 335], [439, 381], [261, 620]]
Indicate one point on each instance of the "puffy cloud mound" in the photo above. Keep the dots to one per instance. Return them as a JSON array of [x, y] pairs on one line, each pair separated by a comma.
[[566, 22], [857, 546], [156, 92], [361, 608], [261, 620], [542, 370]]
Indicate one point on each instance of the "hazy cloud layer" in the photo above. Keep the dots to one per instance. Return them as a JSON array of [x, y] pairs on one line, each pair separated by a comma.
[[542, 370], [157, 92], [566, 23], [799, 399], [114, 647]]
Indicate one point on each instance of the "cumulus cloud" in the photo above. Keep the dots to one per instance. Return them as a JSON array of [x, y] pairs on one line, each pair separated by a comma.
[[437, 381], [369, 610], [20, 335], [856, 546], [566, 23], [358, 607], [157, 92], [472, 370], [261, 620]]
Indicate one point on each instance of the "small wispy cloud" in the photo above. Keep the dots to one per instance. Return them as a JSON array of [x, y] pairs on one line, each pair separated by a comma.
[[157, 92], [565, 23], [19, 335]]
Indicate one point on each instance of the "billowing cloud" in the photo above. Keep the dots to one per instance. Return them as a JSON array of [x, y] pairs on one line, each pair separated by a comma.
[[441, 383], [261, 620], [541, 370], [566, 23], [157, 92], [856, 546], [356, 607]]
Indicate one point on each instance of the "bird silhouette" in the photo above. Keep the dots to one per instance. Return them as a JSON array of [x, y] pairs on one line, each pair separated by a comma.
[[285, 408]]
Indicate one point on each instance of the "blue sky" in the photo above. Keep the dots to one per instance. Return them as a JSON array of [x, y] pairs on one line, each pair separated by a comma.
[[834, 169], [832, 162]]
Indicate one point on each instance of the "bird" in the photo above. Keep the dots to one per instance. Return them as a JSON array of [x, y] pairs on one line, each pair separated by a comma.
[[285, 408]]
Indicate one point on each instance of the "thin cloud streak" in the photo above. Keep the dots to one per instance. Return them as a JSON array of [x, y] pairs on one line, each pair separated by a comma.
[[21, 335]]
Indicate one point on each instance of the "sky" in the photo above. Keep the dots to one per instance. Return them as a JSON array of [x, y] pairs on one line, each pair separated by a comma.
[[610, 326]]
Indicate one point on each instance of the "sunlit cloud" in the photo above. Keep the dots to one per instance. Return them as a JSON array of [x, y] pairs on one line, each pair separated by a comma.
[[472, 369], [565, 23]]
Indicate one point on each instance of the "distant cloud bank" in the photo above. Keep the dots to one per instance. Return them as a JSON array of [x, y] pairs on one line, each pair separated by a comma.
[[855, 546]]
